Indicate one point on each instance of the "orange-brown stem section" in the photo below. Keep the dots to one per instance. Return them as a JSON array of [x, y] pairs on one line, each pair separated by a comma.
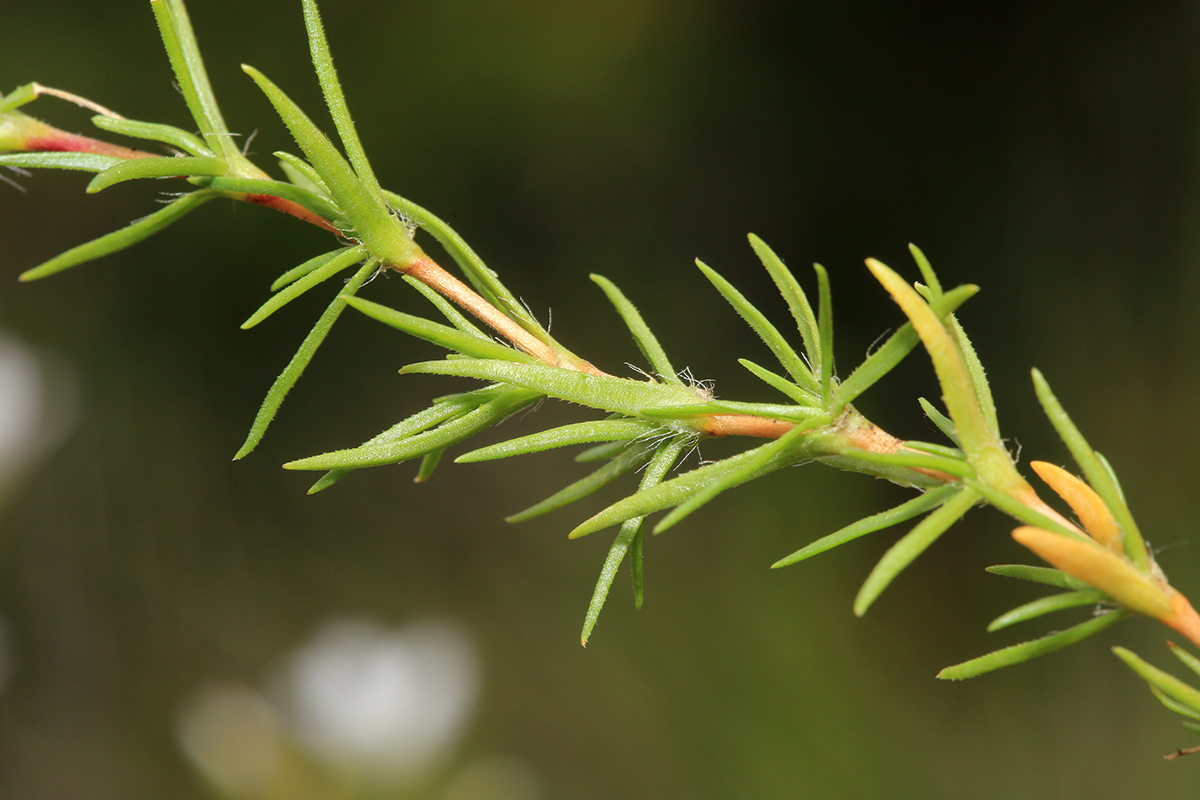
[[745, 425], [428, 272]]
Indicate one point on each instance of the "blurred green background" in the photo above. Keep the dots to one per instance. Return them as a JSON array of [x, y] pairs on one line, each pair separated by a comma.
[[1049, 152]]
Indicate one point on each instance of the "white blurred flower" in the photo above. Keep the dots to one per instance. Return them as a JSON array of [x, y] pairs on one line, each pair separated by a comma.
[[231, 735], [36, 407], [389, 704]]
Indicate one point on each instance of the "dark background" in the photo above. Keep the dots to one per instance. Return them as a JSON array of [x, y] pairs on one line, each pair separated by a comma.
[[1046, 151]]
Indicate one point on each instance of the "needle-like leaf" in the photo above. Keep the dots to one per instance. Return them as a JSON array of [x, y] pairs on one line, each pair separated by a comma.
[[1170, 685], [1044, 575], [373, 224], [1095, 470], [885, 519], [295, 368], [1027, 651], [1047, 605], [629, 534], [442, 410], [345, 259], [442, 335], [770, 335], [778, 382], [885, 357], [608, 393], [915, 542], [603, 430], [782, 449], [669, 493], [84, 162], [154, 131], [1189, 660], [796, 300], [642, 334], [295, 273], [445, 435], [617, 466], [118, 240], [943, 423], [331, 88]]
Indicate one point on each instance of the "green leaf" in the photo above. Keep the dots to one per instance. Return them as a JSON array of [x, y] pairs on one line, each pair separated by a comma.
[[429, 463], [345, 259], [118, 240], [635, 567], [943, 423], [1047, 605], [301, 173], [951, 466], [601, 452], [445, 435], [1022, 512], [295, 368], [885, 358], [1174, 705], [85, 162], [607, 393], [783, 351], [1189, 660], [441, 335], [1027, 651], [1044, 575], [927, 273], [673, 492], [747, 470], [444, 409], [918, 505], [778, 382], [978, 378], [915, 542], [796, 300], [184, 54], [373, 224], [630, 533], [1112, 476], [154, 131], [642, 335], [603, 430], [331, 88], [1166, 683], [169, 167], [1095, 470], [983, 447], [613, 469], [825, 330], [295, 273], [936, 449]]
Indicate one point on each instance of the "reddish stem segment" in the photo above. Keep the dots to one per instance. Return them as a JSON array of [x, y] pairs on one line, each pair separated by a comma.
[[56, 141]]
